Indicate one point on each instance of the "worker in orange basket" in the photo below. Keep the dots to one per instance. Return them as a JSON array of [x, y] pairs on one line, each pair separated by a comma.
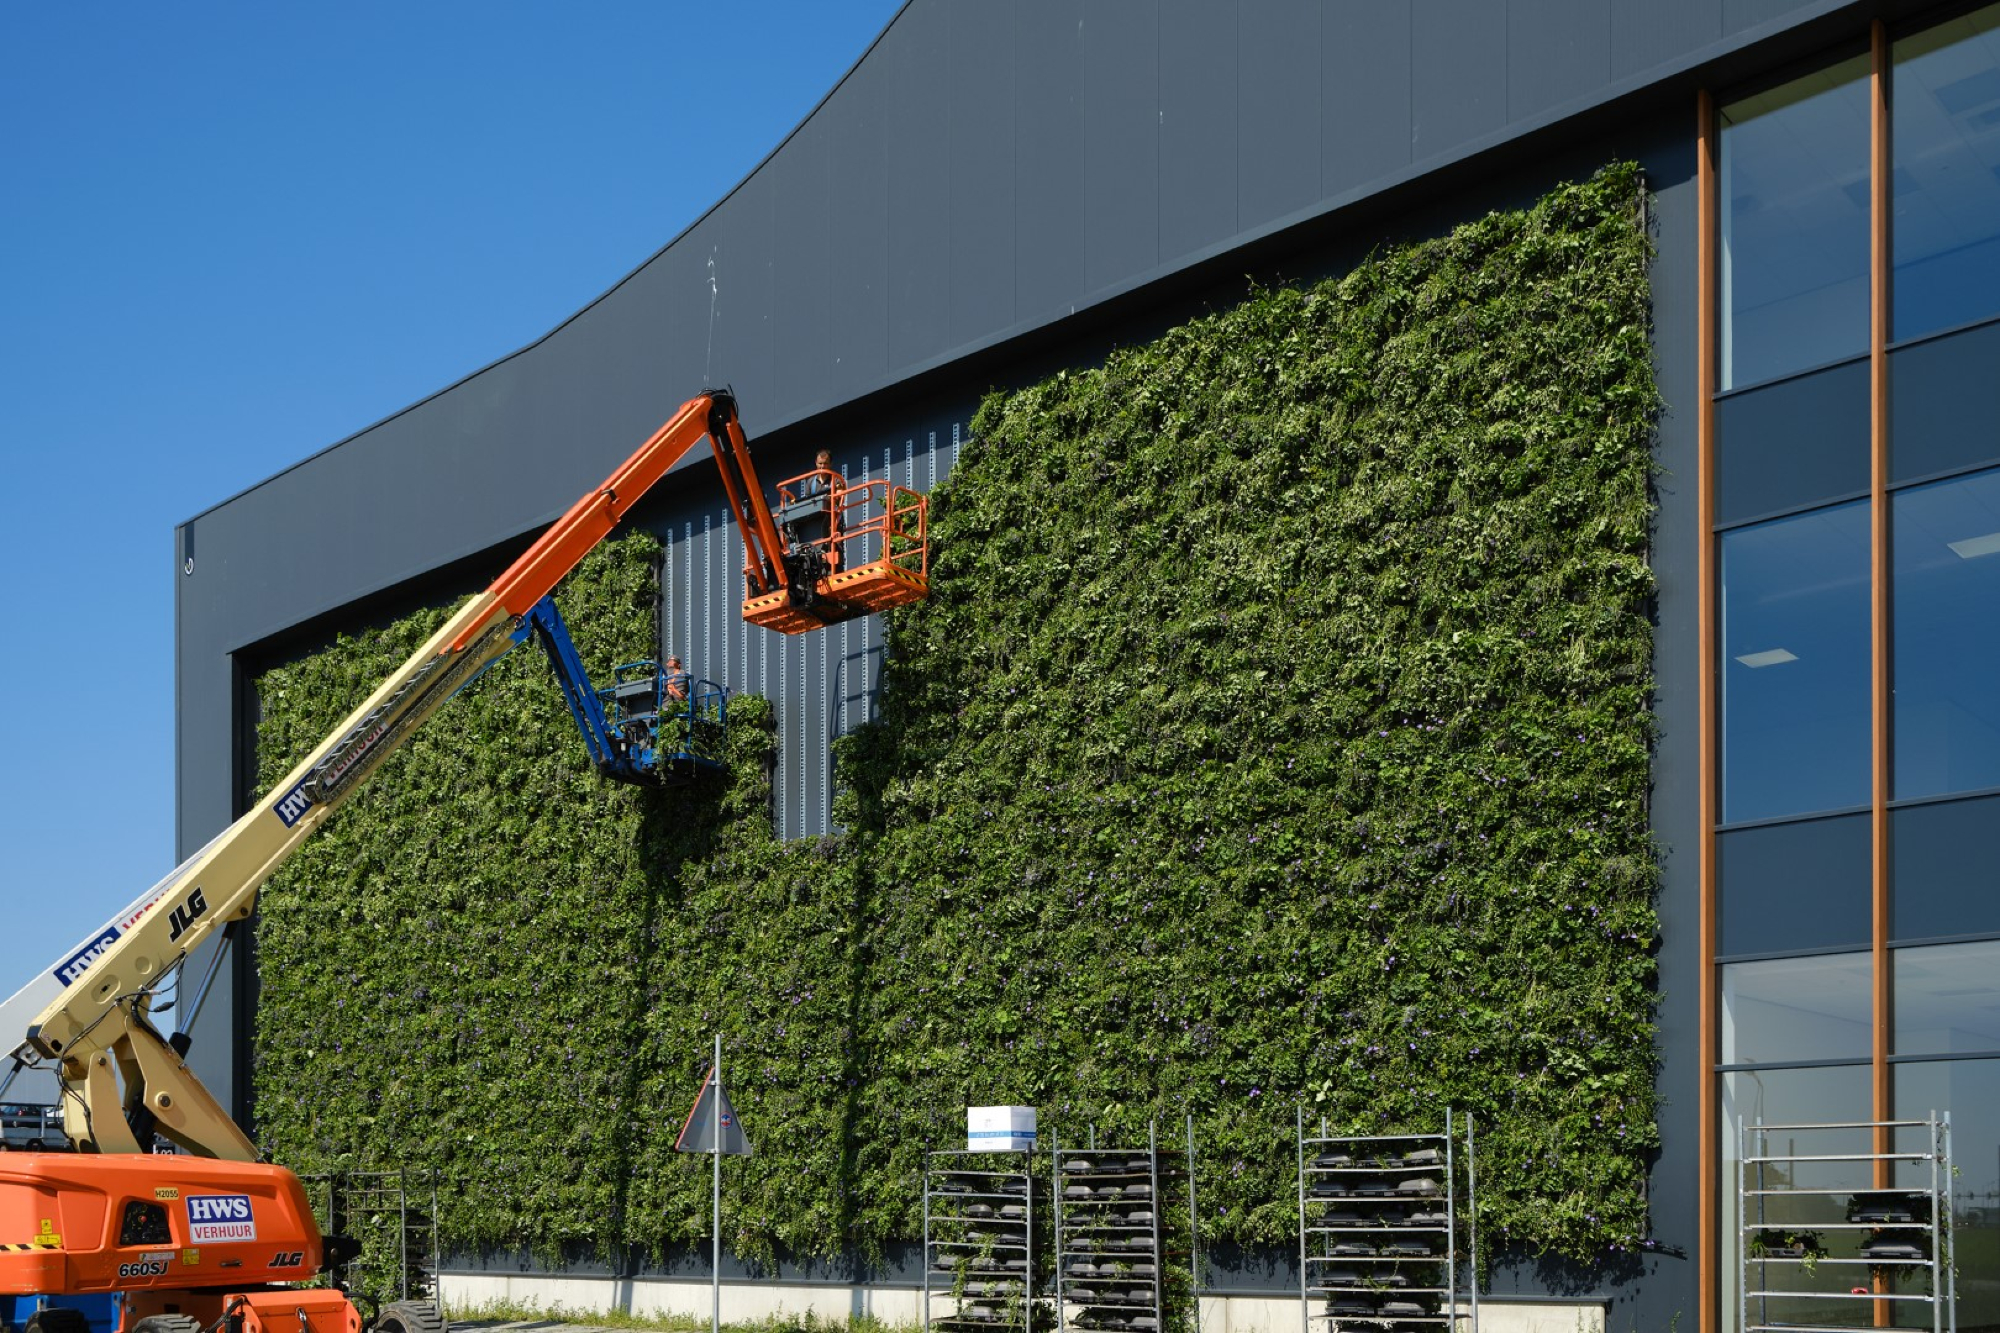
[[823, 480]]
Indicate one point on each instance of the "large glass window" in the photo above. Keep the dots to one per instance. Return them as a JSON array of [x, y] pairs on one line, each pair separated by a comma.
[[1795, 226], [1945, 134], [1795, 707], [1947, 999], [1945, 540], [1969, 1091], [1789, 1096], [1783, 1009]]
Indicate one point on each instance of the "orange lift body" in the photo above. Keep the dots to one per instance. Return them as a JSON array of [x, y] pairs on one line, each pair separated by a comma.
[[207, 1245]]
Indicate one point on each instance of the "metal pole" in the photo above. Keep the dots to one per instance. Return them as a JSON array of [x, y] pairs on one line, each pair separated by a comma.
[[1472, 1215], [402, 1236], [929, 1158], [1028, 1241], [1305, 1301], [1194, 1232], [1950, 1223], [1159, 1232], [1742, 1224], [191, 1012], [1450, 1224], [715, 1264], [1056, 1207]]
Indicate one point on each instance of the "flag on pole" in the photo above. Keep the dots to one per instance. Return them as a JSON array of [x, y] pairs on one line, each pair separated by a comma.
[[712, 1118]]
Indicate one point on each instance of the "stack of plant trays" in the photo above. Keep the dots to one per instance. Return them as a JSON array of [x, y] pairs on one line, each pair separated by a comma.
[[1378, 1230], [1110, 1256], [979, 1224], [1834, 1232]]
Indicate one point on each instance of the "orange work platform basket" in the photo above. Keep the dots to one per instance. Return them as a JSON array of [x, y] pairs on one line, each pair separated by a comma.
[[848, 550]]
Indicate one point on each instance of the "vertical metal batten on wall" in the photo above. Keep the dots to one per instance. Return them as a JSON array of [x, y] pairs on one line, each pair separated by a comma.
[[1707, 1192]]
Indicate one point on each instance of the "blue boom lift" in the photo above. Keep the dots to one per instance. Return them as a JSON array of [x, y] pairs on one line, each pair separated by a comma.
[[650, 727]]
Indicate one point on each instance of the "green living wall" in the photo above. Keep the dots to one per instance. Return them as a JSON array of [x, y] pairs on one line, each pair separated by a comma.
[[1276, 732]]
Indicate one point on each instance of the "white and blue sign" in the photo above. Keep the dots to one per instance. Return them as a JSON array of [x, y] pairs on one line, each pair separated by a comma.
[[220, 1218], [74, 966], [293, 807]]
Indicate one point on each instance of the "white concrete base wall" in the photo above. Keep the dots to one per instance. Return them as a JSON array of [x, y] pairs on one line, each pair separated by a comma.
[[578, 1298]]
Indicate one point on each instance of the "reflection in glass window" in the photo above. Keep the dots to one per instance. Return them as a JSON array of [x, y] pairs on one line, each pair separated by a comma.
[[1790, 1097], [1969, 1090], [1795, 708], [1945, 542], [1780, 1009], [1947, 998], [1945, 135], [1795, 226]]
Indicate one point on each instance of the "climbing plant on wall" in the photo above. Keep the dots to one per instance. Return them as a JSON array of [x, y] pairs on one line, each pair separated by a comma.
[[1276, 732]]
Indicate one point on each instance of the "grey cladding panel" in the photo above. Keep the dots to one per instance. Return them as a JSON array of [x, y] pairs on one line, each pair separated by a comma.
[[1278, 110], [1943, 397], [744, 237], [1645, 33], [802, 265], [1794, 886], [1800, 442], [687, 361], [1051, 190], [917, 58], [980, 111], [1738, 15], [1459, 91], [1365, 130], [1197, 125], [1121, 142], [857, 143], [1557, 51]]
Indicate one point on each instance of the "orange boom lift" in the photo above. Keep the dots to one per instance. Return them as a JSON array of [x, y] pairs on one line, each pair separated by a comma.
[[211, 1238]]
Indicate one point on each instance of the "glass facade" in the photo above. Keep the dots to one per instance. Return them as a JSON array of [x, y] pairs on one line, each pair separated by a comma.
[[1945, 548], [1812, 1008], [1946, 144], [1794, 226], [1801, 793], [1947, 999], [1967, 1091], [1784, 1097], [1795, 704]]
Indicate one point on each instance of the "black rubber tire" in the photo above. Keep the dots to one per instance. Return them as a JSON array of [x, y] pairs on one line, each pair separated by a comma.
[[168, 1323], [409, 1317], [36, 1145], [55, 1319]]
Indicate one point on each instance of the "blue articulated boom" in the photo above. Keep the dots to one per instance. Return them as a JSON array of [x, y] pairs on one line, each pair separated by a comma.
[[637, 730]]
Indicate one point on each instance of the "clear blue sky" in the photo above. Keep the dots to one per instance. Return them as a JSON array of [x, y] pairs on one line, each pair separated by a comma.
[[233, 233]]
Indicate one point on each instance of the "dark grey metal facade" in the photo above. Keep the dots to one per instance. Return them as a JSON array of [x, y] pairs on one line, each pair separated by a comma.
[[995, 189]]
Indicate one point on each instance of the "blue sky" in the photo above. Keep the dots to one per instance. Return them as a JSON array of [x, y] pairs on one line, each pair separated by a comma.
[[232, 234]]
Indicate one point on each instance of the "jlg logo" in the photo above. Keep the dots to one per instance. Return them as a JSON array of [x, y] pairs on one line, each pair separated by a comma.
[[288, 1259], [185, 915]]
